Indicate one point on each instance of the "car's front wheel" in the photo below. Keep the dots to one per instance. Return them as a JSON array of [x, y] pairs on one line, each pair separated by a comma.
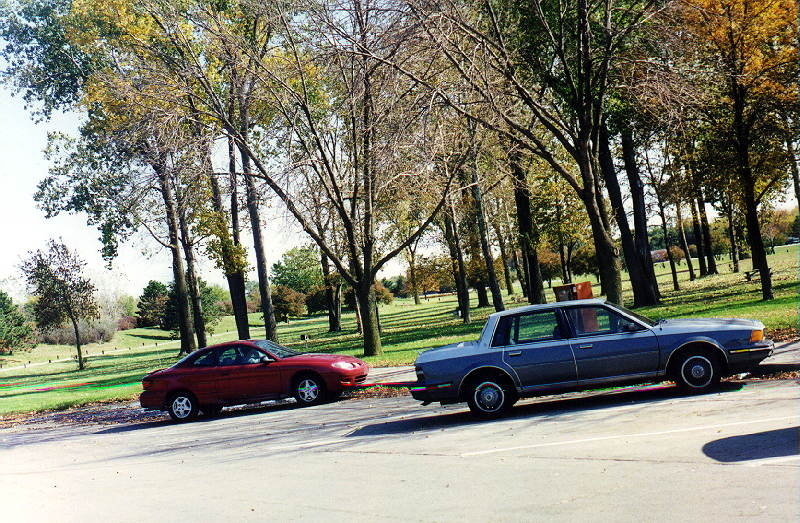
[[309, 390], [697, 372], [182, 406], [489, 397]]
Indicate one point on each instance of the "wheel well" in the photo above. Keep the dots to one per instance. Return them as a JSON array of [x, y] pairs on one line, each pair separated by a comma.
[[306, 373], [175, 392], [697, 346], [484, 373]]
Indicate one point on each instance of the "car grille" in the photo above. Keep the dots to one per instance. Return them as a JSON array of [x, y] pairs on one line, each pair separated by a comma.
[[361, 379]]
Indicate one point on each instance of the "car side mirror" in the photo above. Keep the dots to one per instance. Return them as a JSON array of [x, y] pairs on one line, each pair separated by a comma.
[[266, 359], [631, 327]]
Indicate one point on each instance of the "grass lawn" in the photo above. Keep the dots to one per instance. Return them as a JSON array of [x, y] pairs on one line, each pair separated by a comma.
[[114, 369]]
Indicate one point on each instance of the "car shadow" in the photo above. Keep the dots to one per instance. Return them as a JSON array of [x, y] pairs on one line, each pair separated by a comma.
[[235, 412], [544, 407], [760, 445]]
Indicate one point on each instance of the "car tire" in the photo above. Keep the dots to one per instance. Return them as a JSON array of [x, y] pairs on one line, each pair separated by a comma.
[[182, 406], [308, 390], [697, 372], [490, 397]]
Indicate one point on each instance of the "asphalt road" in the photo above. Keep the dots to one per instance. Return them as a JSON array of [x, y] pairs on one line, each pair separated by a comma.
[[646, 454]]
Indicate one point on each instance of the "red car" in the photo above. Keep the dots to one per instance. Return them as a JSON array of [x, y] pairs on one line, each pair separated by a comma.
[[248, 371]]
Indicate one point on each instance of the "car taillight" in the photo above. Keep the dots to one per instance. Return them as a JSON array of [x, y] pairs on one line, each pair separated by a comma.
[[757, 335], [147, 384]]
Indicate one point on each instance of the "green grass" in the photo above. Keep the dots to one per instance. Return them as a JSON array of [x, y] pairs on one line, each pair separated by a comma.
[[408, 328]]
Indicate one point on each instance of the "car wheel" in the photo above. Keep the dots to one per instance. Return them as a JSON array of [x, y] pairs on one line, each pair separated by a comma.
[[489, 398], [697, 372], [182, 406], [309, 390]]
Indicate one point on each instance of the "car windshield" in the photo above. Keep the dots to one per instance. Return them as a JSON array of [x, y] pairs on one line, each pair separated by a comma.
[[643, 319], [278, 350]]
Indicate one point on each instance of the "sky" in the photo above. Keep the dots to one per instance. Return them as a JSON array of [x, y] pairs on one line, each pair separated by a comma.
[[23, 226]]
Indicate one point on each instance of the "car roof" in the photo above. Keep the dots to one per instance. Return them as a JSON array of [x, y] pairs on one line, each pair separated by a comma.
[[546, 306]]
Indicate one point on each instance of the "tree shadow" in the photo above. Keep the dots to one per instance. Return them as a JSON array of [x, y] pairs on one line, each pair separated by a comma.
[[760, 445], [545, 408]]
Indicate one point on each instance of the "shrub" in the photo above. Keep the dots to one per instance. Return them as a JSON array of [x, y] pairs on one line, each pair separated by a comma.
[[126, 323], [316, 300], [92, 331], [287, 302]]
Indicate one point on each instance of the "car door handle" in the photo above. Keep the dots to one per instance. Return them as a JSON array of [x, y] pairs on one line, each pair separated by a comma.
[[585, 346], [515, 353]]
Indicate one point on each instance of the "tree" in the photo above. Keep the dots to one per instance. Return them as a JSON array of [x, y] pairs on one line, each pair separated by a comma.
[[55, 278], [15, 331], [152, 303], [287, 303], [299, 269], [211, 298]]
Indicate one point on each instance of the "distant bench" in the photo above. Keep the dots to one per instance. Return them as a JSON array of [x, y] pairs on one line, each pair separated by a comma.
[[755, 273]]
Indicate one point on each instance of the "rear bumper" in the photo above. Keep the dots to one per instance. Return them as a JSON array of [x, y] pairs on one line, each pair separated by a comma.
[[428, 393], [742, 360], [151, 399]]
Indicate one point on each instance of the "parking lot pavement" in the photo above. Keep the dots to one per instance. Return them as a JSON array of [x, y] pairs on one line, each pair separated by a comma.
[[636, 454]]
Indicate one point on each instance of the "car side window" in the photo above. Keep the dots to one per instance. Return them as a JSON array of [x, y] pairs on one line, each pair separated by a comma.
[[209, 359], [527, 328], [229, 356], [588, 321], [249, 356]]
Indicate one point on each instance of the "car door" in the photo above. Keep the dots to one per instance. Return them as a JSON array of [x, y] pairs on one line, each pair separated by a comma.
[[245, 376], [534, 345], [609, 346]]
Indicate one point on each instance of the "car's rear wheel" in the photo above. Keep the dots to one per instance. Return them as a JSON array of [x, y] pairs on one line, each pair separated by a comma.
[[697, 372], [182, 406], [490, 397], [309, 390]]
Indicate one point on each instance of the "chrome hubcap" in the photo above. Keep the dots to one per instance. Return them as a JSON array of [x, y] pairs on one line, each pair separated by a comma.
[[697, 371], [181, 406], [308, 390], [489, 396]]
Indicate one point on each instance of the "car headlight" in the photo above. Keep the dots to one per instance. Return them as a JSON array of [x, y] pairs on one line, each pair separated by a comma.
[[344, 365], [757, 335]]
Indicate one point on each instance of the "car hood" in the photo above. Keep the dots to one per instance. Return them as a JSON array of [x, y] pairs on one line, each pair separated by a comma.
[[708, 324], [314, 357], [447, 351]]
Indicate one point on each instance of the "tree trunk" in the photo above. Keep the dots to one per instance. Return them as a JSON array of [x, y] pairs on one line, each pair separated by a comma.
[[230, 265], [370, 331], [641, 239], [501, 242], [185, 326], [533, 285], [698, 239], [682, 239], [709, 248], [258, 245], [747, 183], [81, 364], [793, 167], [663, 215], [412, 273], [332, 297], [457, 261], [483, 294], [732, 237], [483, 235], [518, 266], [192, 282], [643, 289]]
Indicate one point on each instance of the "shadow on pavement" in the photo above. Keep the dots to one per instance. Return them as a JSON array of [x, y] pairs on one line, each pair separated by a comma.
[[236, 412], [769, 444], [543, 408]]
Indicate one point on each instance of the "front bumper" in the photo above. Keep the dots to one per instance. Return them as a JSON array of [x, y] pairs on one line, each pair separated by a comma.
[[152, 399], [745, 359]]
